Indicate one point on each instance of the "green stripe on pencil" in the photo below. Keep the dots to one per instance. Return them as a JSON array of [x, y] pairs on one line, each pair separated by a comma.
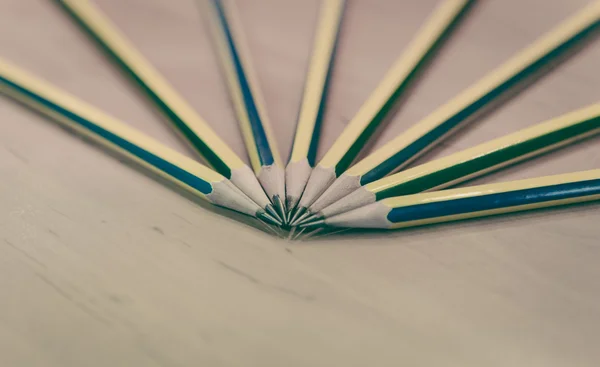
[[476, 161], [125, 140], [247, 99], [432, 35], [439, 124], [182, 116], [472, 202], [312, 107]]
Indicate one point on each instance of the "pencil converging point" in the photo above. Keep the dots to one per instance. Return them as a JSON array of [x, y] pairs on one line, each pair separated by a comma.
[[342, 189]]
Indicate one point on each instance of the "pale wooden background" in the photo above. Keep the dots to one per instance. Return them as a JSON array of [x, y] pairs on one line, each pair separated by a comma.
[[102, 266]]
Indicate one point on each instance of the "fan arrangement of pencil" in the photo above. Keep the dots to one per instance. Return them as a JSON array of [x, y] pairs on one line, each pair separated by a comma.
[[375, 192]]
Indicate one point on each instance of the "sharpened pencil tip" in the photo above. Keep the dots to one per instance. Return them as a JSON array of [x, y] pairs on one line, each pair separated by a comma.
[[266, 217], [290, 203], [280, 208], [309, 218], [307, 214], [288, 215], [297, 214], [271, 210], [313, 224]]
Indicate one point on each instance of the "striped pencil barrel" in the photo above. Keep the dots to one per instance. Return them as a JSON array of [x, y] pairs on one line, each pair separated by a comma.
[[173, 106], [314, 98], [428, 40], [247, 98], [439, 124], [476, 161], [124, 140], [473, 202]]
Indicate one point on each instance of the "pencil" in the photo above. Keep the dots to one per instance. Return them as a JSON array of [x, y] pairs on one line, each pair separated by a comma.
[[247, 98], [372, 113], [474, 162], [125, 140], [174, 107], [465, 107], [472, 202], [312, 107]]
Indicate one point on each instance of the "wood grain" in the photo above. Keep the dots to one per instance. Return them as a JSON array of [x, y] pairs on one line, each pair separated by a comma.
[[102, 266]]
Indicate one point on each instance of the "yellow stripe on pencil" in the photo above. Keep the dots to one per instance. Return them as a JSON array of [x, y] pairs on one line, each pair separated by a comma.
[[247, 98], [312, 107], [472, 202], [125, 140], [439, 124], [182, 116], [371, 114], [474, 162]]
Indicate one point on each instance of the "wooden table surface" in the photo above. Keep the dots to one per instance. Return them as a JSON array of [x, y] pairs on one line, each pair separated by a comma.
[[100, 265]]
